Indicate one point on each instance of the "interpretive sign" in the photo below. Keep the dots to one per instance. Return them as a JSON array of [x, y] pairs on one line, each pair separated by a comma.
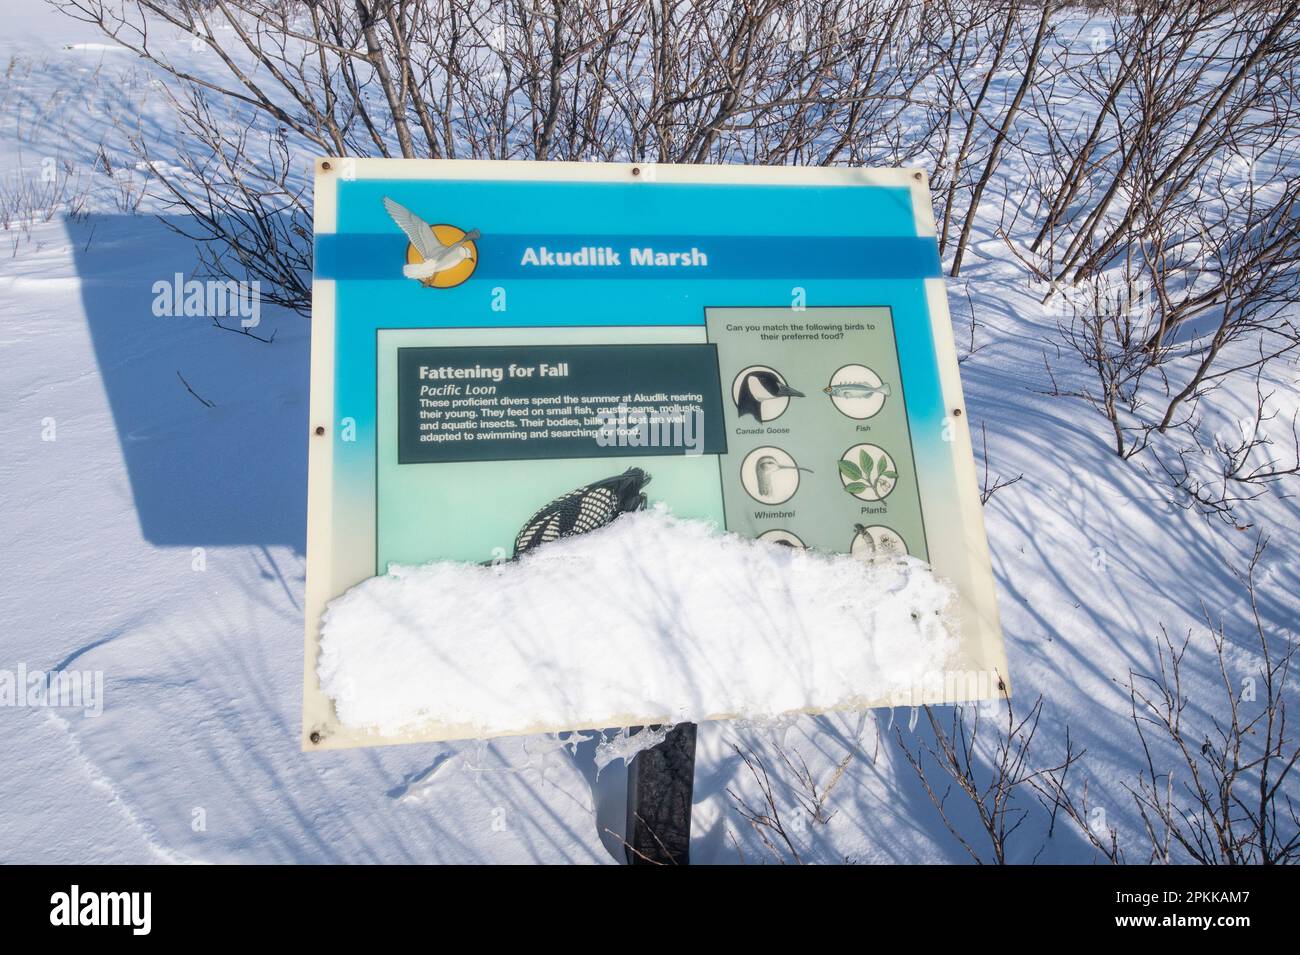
[[773, 344]]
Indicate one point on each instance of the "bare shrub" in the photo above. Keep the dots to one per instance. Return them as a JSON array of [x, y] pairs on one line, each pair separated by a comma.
[[765, 817], [1218, 787], [755, 81], [1145, 162], [989, 765], [809, 796], [29, 200], [1167, 221]]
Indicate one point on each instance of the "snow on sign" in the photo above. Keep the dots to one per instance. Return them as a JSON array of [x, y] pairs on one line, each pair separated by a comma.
[[507, 353]]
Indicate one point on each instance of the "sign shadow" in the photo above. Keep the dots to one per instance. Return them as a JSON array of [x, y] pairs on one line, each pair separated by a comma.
[[212, 422]]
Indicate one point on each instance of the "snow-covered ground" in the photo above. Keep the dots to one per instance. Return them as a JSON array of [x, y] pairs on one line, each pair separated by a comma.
[[158, 542]]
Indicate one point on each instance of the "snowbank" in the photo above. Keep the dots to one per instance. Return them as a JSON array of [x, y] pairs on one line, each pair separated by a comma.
[[650, 617]]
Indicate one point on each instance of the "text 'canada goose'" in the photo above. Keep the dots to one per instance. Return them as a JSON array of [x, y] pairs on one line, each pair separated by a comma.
[[759, 386], [437, 256], [585, 509]]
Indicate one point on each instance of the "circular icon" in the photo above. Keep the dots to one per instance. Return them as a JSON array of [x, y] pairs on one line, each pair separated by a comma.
[[762, 393], [769, 475], [448, 235], [876, 542], [857, 391], [784, 538], [868, 472]]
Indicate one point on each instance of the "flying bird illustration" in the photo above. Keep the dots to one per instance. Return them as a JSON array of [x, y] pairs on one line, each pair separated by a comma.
[[758, 386], [438, 256], [586, 509]]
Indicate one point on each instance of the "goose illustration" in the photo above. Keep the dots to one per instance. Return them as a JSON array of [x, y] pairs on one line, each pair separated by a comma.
[[438, 255], [758, 386], [585, 509]]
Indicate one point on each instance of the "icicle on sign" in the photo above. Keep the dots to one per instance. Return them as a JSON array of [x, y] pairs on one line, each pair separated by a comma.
[[793, 323]]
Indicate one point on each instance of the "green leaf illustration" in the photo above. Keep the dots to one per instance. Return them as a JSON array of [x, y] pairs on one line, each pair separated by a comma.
[[892, 475], [866, 463], [857, 487], [884, 463], [850, 470]]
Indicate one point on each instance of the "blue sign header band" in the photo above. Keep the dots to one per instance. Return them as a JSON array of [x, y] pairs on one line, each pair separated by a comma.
[[380, 256]]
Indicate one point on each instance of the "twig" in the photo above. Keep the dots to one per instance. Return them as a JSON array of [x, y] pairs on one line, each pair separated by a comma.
[[204, 401]]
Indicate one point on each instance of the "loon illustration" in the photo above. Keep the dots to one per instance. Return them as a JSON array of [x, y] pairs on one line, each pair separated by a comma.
[[586, 509], [437, 256], [856, 389], [759, 386]]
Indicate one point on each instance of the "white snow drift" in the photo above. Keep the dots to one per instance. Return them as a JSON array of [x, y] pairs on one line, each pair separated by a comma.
[[652, 616]]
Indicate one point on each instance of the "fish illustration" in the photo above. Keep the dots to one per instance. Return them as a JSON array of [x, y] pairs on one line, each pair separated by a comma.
[[437, 256], [856, 389]]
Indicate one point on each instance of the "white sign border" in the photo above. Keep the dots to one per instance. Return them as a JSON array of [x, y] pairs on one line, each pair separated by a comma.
[[973, 578]]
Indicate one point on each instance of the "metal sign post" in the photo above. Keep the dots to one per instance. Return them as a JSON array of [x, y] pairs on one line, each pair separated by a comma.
[[660, 790]]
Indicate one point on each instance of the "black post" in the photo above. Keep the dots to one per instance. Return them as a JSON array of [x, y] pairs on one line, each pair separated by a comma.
[[660, 787]]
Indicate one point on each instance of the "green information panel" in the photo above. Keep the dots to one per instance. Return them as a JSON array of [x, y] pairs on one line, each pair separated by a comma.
[[819, 449]]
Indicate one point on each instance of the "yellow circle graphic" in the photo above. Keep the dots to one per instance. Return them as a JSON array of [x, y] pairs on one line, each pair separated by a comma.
[[458, 273]]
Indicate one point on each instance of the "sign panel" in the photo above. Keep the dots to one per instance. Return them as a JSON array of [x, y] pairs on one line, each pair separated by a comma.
[[482, 326], [510, 403]]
